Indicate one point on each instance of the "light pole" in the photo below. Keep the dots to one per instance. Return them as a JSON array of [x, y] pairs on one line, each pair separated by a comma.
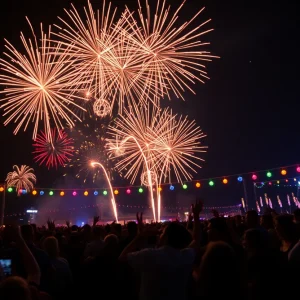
[[3, 205], [245, 194]]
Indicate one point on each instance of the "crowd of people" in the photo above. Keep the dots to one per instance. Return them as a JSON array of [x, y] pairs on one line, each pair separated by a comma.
[[241, 257]]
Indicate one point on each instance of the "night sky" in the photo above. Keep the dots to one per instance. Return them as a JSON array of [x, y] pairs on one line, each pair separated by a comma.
[[248, 108]]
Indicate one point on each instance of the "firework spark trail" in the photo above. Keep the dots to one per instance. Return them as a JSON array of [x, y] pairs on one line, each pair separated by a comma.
[[158, 191], [172, 55], [21, 178], [53, 153], [38, 85], [87, 152], [136, 122], [121, 145], [113, 200], [177, 141]]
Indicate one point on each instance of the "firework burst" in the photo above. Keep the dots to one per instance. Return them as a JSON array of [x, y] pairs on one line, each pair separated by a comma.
[[169, 142], [88, 40], [53, 153], [38, 85], [132, 81], [172, 53], [100, 49], [21, 178], [156, 144], [136, 122], [177, 142], [129, 60]]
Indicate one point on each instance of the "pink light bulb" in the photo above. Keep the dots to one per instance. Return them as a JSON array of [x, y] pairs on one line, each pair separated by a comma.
[[128, 191], [298, 169], [74, 193], [254, 177]]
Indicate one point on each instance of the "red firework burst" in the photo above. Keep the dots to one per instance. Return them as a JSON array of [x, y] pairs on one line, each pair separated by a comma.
[[55, 153]]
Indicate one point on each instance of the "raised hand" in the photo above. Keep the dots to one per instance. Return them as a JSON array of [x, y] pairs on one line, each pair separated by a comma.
[[197, 208], [51, 224], [139, 218], [68, 224], [96, 220]]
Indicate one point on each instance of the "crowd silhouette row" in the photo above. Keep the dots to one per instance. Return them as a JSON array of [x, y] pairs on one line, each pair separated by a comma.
[[240, 257]]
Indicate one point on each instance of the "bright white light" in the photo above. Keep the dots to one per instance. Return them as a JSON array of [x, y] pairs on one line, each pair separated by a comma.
[[30, 211]]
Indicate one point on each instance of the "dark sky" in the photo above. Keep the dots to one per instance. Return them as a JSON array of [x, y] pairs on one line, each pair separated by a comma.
[[248, 108]]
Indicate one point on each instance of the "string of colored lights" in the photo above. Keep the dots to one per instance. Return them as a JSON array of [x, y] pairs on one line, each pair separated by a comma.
[[198, 183], [287, 182]]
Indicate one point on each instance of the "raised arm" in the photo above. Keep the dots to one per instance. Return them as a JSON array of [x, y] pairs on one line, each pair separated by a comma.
[[196, 209], [133, 245], [30, 264]]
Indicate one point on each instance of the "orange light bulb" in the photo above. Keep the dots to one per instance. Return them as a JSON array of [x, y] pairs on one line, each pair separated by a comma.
[[283, 172]]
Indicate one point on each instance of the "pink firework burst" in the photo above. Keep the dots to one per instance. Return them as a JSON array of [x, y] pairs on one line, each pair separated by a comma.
[[53, 153]]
